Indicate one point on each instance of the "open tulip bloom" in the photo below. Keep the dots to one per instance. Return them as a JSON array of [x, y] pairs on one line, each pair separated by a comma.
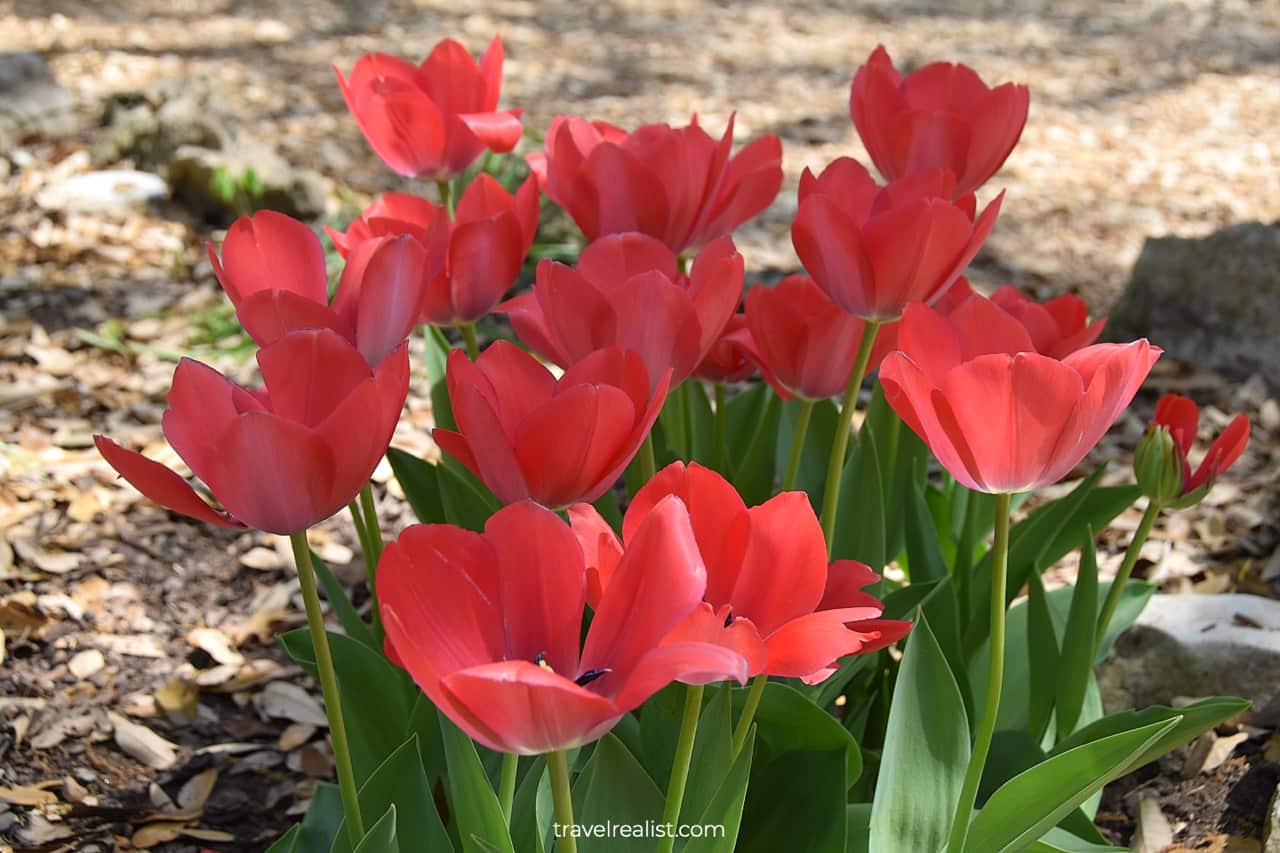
[[432, 120], [478, 252], [678, 185], [490, 625], [941, 116]]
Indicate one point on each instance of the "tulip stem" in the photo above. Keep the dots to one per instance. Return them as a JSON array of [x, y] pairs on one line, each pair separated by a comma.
[[748, 712], [370, 562], [558, 766], [648, 465], [995, 678], [680, 766], [446, 196], [799, 431], [507, 783], [721, 435], [329, 687], [1122, 576], [844, 428], [470, 340]]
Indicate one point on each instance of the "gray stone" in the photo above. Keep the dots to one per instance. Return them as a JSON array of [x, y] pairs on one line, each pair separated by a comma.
[[32, 102], [148, 128], [1213, 301], [222, 185], [1196, 646]]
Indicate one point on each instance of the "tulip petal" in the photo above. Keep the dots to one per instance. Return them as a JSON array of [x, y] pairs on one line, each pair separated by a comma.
[[499, 132], [911, 393], [784, 532], [601, 549], [160, 483], [489, 445], [830, 247], [719, 627], [808, 646], [271, 251], [484, 260], [715, 286], [997, 123], [1223, 453], [913, 250], [269, 315], [308, 373], [691, 663], [201, 407]]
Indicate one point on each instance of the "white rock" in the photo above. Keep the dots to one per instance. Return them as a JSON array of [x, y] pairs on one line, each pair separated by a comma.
[[113, 189], [1196, 645]]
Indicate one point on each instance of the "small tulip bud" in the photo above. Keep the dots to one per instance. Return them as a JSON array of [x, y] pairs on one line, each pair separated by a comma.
[[1158, 466]]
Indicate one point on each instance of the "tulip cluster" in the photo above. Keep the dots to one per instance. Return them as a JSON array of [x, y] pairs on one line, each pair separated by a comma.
[[533, 634]]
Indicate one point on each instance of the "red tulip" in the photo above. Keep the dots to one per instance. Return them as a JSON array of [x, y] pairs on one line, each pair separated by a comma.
[[1181, 416], [527, 434], [874, 250], [728, 359], [676, 184], [482, 249], [489, 625], [770, 593], [804, 343], [941, 116], [1058, 327], [285, 456], [272, 268], [998, 415], [627, 292], [431, 120]]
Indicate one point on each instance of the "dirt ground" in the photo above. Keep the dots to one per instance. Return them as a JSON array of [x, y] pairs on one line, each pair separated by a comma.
[[1147, 118]]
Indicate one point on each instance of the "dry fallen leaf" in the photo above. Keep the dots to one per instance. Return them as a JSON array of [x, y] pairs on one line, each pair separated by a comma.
[[86, 663], [1210, 751], [283, 700], [143, 744], [295, 736], [179, 700], [215, 644], [195, 793], [157, 833], [1153, 833], [30, 795]]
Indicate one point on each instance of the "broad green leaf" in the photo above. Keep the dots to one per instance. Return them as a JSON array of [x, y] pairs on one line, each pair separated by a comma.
[[614, 787], [860, 520], [712, 750], [425, 723], [924, 553], [787, 721], [421, 485], [659, 719], [467, 502], [436, 359], [287, 843], [342, 607], [1061, 841], [1042, 659], [377, 696], [526, 834], [859, 824], [700, 422], [319, 826], [382, 836], [1031, 803], [725, 808], [752, 435], [1077, 644], [1191, 721], [673, 424], [812, 474], [472, 801], [401, 783], [900, 453], [925, 753], [1133, 600]]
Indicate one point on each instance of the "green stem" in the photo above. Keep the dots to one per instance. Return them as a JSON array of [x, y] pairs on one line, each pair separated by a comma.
[[507, 783], [680, 766], [329, 687], [801, 429], [446, 196], [964, 555], [469, 338], [844, 428], [720, 437], [749, 712], [995, 678], [1122, 576], [648, 466], [563, 797], [372, 530]]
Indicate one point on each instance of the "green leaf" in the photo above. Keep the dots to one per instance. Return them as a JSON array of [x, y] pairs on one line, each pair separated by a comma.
[[924, 553], [1061, 841], [752, 434], [660, 718], [346, 612], [1133, 600], [472, 801], [700, 422], [1042, 659], [467, 502], [420, 483], [287, 843], [1028, 805], [382, 837], [900, 452], [812, 475], [377, 696], [925, 753], [319, 826], [425, 723], [859, 530], [401, 783], [725, 808], [712, 751], [1191, 722], [859, 823], [436, 359], [613, 786], [1077, 644], [526, 833]]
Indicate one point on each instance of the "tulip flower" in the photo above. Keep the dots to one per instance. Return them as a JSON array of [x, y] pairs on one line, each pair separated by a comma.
[[1057, 327], [432, 120], [490, 625], [272, 268], [941, 116], [1177, 421], [527, 434], [1000, 416], [482, 248], [627, 291], [876, 249], [678, 185], [771, 594], [727, 360], [803, 342], [285, 456]]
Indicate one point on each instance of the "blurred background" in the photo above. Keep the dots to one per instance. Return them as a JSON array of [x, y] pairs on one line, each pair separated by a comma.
[[132, 132]]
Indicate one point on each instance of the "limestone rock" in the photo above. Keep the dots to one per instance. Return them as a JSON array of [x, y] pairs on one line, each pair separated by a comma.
[[247, 176], [1213, 301], [32, 102]]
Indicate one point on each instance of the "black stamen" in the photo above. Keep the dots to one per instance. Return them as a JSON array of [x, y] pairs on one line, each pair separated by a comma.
[[540, 658], [591, 675], [728, 618]]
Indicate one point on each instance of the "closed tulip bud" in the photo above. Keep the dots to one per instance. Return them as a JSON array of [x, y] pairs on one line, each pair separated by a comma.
[[1179, 418], [1158, 466]]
